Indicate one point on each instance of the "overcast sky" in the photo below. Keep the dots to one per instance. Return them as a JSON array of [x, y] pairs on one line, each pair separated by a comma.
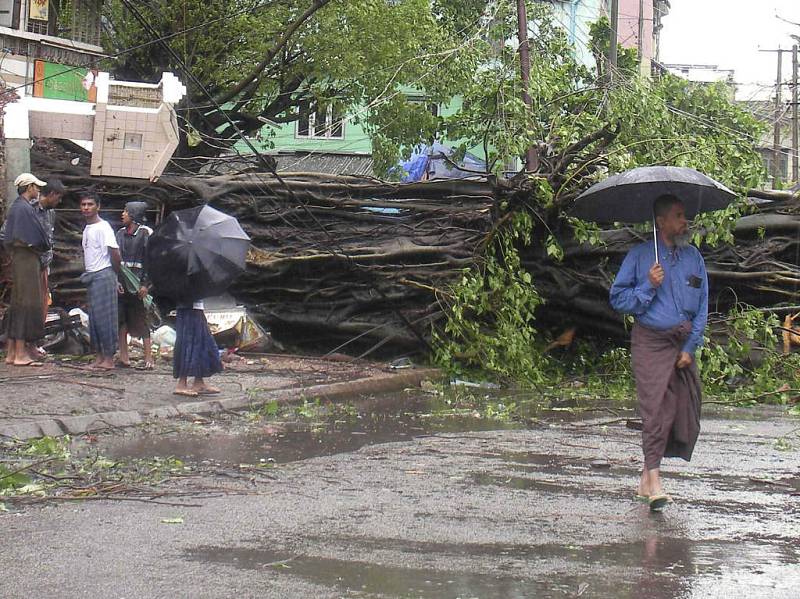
[[729, 33]]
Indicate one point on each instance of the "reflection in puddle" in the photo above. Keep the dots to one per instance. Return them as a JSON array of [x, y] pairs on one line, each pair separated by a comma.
[[655, 566], [666, 567], [369, 579], [383, 420]]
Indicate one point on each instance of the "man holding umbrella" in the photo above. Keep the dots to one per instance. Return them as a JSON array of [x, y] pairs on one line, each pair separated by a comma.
[[665, 287]]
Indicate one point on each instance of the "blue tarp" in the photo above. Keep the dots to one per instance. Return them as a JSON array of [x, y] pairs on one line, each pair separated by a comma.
[[429, 162]]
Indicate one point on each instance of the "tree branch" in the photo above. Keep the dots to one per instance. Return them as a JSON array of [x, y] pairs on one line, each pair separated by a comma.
[[316, 5]]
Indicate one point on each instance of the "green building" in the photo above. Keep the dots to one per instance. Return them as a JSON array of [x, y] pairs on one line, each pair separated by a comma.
[[332, 142]]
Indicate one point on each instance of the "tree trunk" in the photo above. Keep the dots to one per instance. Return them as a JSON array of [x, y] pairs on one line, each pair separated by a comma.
[[359, 264]]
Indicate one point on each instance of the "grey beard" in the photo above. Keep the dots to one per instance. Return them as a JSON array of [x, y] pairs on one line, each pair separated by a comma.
[[683, 240]]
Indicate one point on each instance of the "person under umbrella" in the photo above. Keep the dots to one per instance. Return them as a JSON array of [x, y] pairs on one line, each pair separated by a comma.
[[197, 253], [132, 239], [195, 353], [664, 286]]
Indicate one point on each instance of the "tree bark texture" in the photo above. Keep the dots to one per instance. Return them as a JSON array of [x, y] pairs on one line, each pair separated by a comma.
[[358, 264]]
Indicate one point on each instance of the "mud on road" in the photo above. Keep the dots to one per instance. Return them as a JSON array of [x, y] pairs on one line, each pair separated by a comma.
[[399, 508]]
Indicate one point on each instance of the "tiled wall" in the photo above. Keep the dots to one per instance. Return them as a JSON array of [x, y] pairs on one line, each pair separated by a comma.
[[61, 126], [159, 139]]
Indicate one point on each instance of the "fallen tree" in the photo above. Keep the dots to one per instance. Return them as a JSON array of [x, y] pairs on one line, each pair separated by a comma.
[[761, 268], [334, 257], [353, 261]]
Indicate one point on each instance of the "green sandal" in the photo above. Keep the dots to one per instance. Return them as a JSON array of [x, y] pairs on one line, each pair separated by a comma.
[[658, 502]]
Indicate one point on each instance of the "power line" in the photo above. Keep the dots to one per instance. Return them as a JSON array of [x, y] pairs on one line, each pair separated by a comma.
[[157, 40], [385, 98], [594, 49]]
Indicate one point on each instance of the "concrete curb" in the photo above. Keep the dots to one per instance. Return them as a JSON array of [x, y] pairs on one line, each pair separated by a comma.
[[76, 425]]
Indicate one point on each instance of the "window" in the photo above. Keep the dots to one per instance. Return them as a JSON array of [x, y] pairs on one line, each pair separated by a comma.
[[78, 20], [432, 107], [39, 16], [320, 123]]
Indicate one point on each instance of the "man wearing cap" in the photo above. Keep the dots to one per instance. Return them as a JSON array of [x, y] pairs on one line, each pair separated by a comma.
[[132, 240], [101, 264], [26, 240]]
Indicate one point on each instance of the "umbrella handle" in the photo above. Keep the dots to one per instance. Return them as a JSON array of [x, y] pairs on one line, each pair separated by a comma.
[[655, 238]]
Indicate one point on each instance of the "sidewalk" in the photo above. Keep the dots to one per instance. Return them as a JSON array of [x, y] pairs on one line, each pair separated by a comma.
[[63, 398]]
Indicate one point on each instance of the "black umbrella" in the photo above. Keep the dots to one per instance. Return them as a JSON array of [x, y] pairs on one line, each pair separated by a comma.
[[196, 253], [628, 197]]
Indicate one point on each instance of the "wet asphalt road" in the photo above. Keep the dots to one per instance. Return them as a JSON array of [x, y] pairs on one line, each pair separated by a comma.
[[380, 512]]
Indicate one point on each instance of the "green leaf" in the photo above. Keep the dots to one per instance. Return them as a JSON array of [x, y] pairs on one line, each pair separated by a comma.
[[10, 481]]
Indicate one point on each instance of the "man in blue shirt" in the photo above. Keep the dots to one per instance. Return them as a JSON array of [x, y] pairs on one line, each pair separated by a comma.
[[668, 299]]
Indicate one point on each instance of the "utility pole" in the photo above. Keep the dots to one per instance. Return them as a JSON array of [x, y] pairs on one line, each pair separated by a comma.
[[777, 173], [776, 130], [612, 52], [531, 158], [641, 35], [795, 123]]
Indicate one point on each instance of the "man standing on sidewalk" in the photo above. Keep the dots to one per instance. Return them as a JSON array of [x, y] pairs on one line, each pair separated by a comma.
[[669, 301], [101, 264], [26, 240], [132, 240], [49, 199]]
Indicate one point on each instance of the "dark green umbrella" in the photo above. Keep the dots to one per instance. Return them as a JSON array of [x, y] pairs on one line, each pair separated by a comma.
[[132, 284]]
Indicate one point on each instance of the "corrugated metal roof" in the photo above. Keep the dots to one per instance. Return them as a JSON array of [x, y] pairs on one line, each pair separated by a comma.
[[333, 163], [329, 163]]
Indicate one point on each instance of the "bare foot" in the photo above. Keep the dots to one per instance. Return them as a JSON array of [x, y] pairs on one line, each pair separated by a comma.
[[23, 358], [206, 390], [185, 391], [28, 363]]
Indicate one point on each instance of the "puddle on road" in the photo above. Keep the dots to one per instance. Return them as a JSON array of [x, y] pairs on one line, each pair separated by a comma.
[[366, 578], [367, 422], [658, 567], [668, 567]]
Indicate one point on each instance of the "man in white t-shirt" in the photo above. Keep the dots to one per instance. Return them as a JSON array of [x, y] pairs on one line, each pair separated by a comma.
[[101, 260]]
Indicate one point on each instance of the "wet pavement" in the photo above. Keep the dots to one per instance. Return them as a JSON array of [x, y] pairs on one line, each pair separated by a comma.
[[330, 429], [401, 496], [64, 397]]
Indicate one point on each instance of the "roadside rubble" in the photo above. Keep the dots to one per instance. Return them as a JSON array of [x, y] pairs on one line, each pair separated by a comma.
[[233, 327]]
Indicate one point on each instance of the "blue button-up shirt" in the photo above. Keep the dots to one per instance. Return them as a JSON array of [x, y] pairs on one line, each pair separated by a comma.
[[682, 296]]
